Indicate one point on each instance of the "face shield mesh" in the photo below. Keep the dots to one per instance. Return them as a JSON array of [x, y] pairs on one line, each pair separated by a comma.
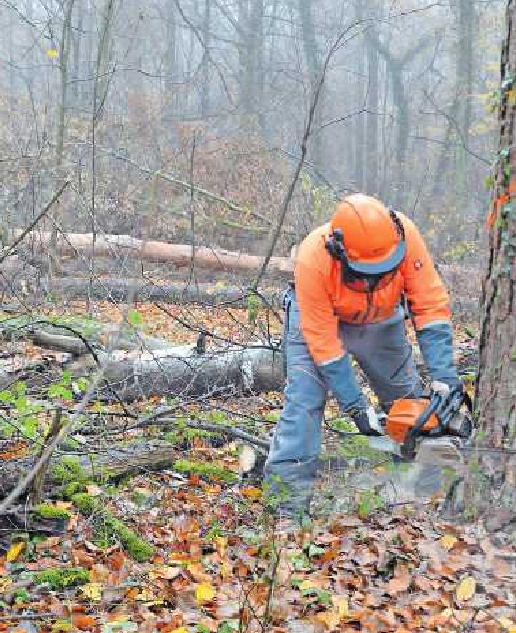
[[368, 284]]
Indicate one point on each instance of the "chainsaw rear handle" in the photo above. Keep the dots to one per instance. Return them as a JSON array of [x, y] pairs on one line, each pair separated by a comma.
[[445, 406]]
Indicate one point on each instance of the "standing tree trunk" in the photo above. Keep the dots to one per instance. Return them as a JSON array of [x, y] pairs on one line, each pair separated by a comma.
[[396, 67], [373, 96], [64, 59], [250, 32], [359, 123], [464, 78], [314, 64], [171, 62], [77, 40], [496, 384], [206, 36]]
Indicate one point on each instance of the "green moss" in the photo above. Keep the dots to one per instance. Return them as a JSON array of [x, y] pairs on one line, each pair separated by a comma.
[[69, 470], [86, 504], [62, 626], [73, 488], [109, 529], [188, 435], [71, 474], [62, 578], [135, 546], [47, 511], [21, 595], [209, 471]]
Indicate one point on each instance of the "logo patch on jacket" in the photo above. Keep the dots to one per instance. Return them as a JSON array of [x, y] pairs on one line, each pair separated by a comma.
[[418, 264]]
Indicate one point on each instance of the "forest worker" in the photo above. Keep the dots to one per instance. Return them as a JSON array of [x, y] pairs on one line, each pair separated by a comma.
[[350, 278]]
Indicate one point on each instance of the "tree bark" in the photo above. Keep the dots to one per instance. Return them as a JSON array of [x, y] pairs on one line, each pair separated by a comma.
[[496, 384]]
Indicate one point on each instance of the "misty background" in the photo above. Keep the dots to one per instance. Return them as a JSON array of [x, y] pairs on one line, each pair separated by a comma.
[[136, 102]]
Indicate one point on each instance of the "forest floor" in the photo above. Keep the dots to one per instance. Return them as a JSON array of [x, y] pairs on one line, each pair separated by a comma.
[[210, 557]]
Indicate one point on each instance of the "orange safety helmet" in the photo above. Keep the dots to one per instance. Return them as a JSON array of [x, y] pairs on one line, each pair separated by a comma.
[[366, 236]]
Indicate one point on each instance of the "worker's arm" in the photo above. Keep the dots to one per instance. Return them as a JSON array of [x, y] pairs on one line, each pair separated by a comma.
[[429, 304], [320, 329]]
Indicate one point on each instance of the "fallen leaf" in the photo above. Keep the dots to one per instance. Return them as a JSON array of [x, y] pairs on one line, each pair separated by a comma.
[[466, 589], [83, 622], [4, 583], [222, 543], [204, 593], [93, 490], [251, 492], [440, 619], [507, 624], [341, 604], [400, 582], [330, 619], [306, 584], [120, 624], [92, 590], [167, 572], [448, 541], [14, 551]]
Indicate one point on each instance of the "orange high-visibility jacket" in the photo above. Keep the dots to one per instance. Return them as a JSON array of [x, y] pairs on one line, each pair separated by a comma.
[[324, 299]]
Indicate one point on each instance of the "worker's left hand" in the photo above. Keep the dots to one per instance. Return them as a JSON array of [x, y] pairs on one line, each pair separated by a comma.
[[367, 422], [445, 387]]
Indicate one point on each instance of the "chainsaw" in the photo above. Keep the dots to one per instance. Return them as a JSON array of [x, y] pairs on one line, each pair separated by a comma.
[[430, 430]]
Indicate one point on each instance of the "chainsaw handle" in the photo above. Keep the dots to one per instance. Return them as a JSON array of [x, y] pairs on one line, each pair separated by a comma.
[[408, 448]]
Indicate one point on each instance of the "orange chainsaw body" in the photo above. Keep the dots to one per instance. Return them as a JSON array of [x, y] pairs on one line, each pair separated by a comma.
[[403, 416]]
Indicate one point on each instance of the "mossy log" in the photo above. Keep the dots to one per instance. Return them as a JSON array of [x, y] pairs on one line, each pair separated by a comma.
[[76, 471]]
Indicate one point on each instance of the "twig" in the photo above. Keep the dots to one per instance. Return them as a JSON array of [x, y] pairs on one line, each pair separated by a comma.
[[223, 428], [98, 379], [39, 479], [304, 148], [206, 50], [47, 453], [36, 220], [186, 185], [270, 594], [29, 616]]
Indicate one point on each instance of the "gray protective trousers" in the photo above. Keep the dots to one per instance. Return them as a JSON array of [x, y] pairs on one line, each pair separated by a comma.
[[383, 352]]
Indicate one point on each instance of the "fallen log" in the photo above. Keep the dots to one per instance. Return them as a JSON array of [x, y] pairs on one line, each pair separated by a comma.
[[123, 246], [146, 290], [180, 372], [111, 463], [114, 462]]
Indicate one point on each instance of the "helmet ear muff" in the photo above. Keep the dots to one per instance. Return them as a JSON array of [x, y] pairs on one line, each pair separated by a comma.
[[397, 224], [335, 245]]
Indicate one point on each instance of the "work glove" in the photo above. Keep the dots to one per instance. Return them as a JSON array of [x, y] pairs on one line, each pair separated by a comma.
[[367, 422], [340, 378], [436, 344]]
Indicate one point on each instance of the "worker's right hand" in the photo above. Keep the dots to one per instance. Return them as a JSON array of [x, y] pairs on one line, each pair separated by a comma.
[[367, 422], [341, 379]]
